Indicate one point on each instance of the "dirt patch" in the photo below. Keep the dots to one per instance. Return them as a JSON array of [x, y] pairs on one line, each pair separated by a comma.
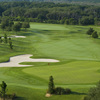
[[48, 95]]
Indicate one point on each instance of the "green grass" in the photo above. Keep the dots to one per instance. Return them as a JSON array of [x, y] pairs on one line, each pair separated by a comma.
[[77, 72], [78, 68]]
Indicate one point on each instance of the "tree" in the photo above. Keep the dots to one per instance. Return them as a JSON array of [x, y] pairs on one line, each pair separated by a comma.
[[71, 21], [94, 34], [11, 23], [59, 90], [5, 23], [51, 85], [25, 25], [94, 93], [5, 38], [85, 20], [67, 21], [10, 44], [3, 89], [16, 27], [41, 17], [3, 26], [90, 31], [20, 24], [8, 28], [0, 39]]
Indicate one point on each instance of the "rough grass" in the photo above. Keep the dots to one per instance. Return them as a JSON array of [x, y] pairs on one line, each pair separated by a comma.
[[78, 70]]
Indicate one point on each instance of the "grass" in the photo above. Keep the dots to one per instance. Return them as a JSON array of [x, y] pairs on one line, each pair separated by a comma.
[[76, 72], [78, 68]]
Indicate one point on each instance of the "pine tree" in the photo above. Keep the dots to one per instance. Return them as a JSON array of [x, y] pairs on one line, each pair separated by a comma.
[[51, 85], [5, 38], [94, 34], [0, 39], [10, 44], [90, 31], [3, 89]]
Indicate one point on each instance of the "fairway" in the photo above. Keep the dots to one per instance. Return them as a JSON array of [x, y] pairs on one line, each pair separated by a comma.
[[71, 48], [78, 53]]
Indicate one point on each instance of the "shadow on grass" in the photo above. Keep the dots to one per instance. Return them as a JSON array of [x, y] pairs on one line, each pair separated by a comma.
[[20, 98], [72, 32], [26, 34], [78, 93]]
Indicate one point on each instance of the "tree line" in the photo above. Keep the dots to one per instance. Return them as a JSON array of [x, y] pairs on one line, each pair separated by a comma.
[[8, 25], [69, 1], [49, 12]]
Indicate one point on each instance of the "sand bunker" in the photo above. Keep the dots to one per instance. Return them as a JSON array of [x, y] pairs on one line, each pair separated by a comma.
[[14, 61], [15, 36], [48, 95]]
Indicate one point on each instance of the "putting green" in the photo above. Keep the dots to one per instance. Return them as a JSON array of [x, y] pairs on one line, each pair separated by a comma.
[[77, 72], [41, 26]]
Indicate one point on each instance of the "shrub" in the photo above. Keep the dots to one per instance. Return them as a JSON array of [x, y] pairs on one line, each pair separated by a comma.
[[67, 91], [60, 91], [13, 96], [94, 93]]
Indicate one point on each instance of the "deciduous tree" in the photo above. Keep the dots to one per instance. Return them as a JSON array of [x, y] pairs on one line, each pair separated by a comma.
[[16, 27], [25, 25], [94, 93]]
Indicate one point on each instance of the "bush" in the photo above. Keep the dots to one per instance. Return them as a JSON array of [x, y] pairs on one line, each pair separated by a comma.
[[94, 93], [60, 91], [10, 97], [67, 91], [13, 96]]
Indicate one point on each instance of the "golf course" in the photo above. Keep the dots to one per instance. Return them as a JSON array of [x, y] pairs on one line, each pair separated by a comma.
[[64, 51]]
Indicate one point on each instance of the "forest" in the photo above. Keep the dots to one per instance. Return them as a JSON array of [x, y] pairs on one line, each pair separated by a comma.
[[49, 12], [93, 1]]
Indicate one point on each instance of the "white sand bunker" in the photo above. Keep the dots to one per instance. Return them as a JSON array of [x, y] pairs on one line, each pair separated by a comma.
[[14, 61], [15, 36]]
